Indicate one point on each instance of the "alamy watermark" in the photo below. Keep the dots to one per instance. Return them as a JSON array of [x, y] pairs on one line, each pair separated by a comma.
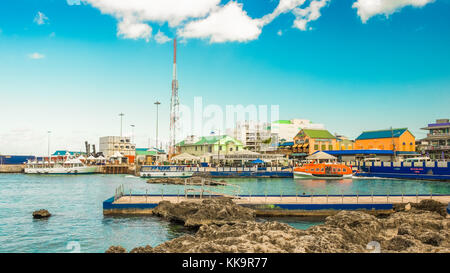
[[201, 120]]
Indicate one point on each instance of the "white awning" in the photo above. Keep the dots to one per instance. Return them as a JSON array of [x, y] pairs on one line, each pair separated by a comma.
[[185, 157], [320, 155]]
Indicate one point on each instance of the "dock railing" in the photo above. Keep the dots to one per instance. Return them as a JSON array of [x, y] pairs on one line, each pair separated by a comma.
[[209, 188]]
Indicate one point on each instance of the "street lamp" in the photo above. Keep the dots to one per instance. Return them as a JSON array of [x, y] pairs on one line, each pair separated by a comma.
[[132, 133], [157, 103], [121, 117], [48, 145]]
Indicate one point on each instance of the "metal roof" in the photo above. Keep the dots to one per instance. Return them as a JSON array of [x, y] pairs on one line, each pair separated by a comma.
[[318, 133], [382, 134], [364, 152]]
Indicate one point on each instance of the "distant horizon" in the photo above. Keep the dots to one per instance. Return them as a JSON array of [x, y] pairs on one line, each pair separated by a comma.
[[70, 67]]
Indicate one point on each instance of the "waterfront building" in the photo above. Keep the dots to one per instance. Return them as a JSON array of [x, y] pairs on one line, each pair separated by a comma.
[[149, 156], [343, 143], [111, 145], [286, 130], [254, 136], [390, 139], [437, 143], [199, 146], [309, 141]]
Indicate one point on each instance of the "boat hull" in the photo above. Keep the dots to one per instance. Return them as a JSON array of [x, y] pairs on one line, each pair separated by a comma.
[[62, 170], [305, 175], [166, 174]]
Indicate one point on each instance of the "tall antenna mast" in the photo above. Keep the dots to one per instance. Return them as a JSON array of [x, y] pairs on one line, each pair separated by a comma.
[[174, 103]]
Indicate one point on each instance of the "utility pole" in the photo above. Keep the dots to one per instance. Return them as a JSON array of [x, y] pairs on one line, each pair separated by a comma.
[[157, 103], [132, 133], [121, 117], [174, 103], [48, 145]]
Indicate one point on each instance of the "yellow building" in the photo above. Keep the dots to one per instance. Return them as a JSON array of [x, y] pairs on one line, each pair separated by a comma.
[[390, 139], [309, 141]]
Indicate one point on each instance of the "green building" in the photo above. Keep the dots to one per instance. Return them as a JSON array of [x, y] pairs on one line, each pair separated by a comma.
[[210, 144]]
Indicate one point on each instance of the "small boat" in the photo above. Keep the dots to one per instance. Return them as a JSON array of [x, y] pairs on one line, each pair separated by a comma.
[[323, 171], [164, 172], [70, 166]]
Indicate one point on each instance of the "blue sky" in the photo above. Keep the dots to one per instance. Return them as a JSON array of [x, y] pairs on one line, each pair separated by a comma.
[[72, 68]]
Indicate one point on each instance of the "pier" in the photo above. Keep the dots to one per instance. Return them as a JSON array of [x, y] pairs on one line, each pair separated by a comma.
[[274, 205]]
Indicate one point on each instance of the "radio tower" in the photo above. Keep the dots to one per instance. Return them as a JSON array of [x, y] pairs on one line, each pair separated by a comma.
[[174, 103]]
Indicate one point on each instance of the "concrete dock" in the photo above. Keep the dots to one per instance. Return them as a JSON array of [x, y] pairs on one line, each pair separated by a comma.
[[272, 205]]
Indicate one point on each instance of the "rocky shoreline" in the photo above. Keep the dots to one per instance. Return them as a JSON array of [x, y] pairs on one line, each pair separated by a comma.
[[416, 228], [216, 211]]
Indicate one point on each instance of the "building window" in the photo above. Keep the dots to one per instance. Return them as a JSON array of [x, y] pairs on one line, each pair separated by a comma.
[[330, 147], [316, 147]]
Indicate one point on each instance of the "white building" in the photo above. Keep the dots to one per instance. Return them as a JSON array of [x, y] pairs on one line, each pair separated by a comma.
[[109, 145], [254, 136], [286, 130]]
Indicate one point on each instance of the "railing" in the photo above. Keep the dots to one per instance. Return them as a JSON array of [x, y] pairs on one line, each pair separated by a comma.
[[119, 192], [208, 187]]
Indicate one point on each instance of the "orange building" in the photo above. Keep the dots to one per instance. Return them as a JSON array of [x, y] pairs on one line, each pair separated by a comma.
[[309, 141], [390, 139]]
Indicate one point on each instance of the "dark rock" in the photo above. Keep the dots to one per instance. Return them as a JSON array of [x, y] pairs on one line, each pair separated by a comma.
[[217, 211], [431, 205], [431, 238], [146, 249], [116, 249], [399, 243], [42, 213]]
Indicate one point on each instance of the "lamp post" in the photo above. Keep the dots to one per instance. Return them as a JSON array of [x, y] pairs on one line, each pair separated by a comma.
[[121, 117], [48, 145], [132, 133], [157, 103]]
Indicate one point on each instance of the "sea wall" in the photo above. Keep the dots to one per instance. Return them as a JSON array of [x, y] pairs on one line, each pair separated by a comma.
[[11, 168]]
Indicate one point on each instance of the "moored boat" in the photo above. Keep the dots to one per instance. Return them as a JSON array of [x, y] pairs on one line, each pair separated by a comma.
[[164, 171], [323, 171], [70, 166]]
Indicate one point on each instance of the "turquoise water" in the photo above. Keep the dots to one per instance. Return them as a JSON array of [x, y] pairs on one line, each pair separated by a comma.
[[76, 205]]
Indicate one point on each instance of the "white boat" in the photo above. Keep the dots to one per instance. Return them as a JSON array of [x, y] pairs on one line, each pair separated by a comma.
[[70, 166], [164, 171]]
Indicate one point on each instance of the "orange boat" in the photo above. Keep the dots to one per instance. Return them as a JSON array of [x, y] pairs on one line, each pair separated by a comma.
[[323, 171]]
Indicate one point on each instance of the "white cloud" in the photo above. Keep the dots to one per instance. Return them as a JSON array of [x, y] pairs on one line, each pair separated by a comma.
[[279, 33], [227, 23], [310, 13], [368, 8], [133, 30], [208, 19], [36, 56], [40, 18], [171, 11], [161, 38]]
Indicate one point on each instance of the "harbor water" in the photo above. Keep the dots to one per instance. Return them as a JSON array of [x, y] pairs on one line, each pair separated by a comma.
[[78, 223]]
